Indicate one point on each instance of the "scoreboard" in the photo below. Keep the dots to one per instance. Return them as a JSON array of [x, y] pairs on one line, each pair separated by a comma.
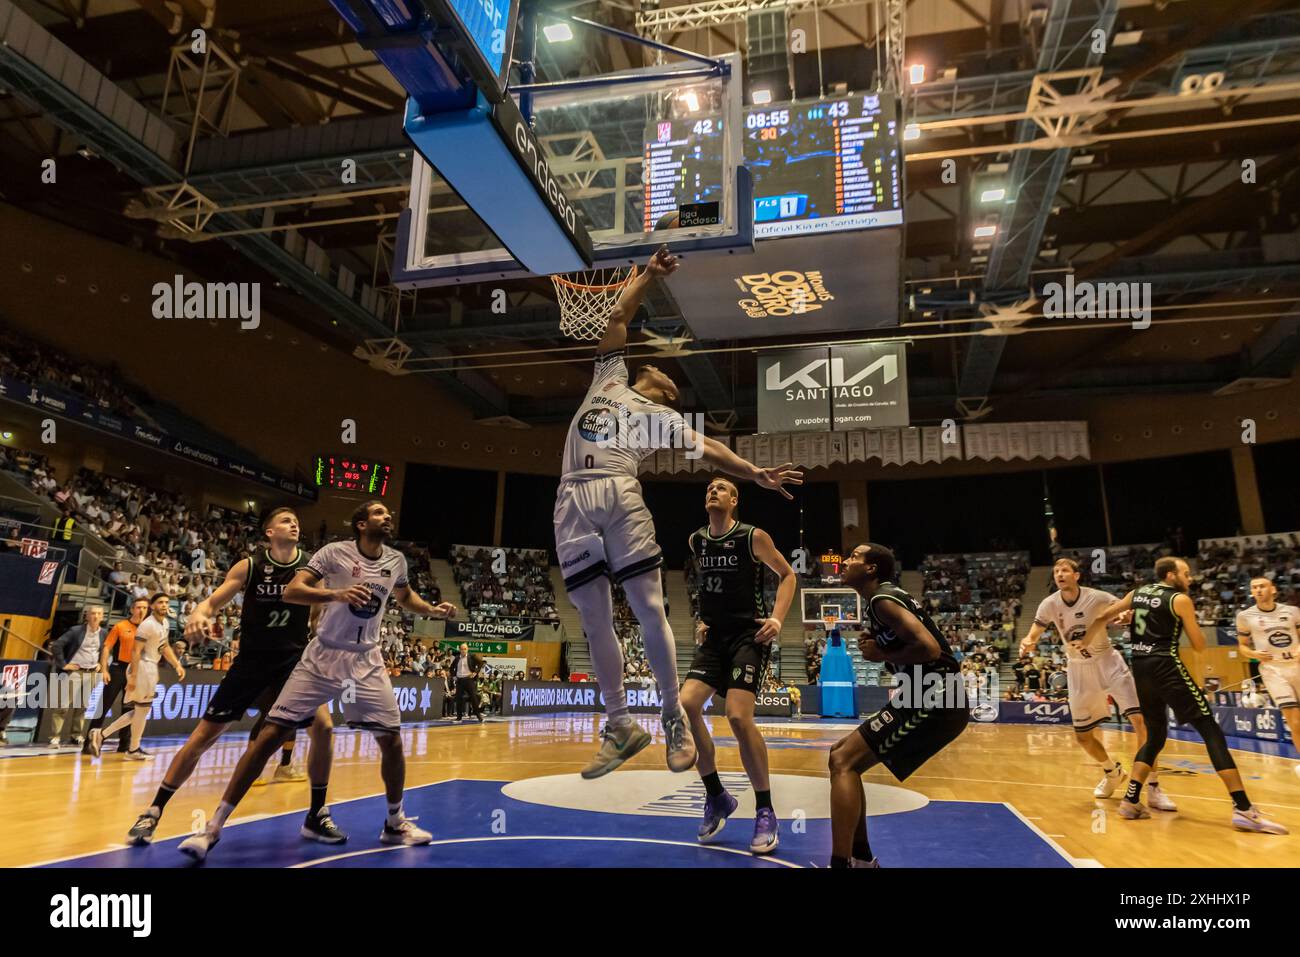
[[818, 167], [352, 475]]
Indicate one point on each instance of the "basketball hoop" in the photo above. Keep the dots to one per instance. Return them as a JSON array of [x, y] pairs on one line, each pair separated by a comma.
[[586, 299], [830, 621]]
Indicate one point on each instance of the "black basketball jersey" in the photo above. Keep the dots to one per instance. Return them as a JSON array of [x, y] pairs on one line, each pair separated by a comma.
[[267, 623], [886, 637], [730, 578], [1156, 627]]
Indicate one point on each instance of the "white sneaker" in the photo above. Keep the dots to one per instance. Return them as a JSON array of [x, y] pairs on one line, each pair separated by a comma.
[[1252, 820], [405, 832], [1109, 782], [198, 845], [1158, 800], [56, 743], [858, 862], [1133, 812]]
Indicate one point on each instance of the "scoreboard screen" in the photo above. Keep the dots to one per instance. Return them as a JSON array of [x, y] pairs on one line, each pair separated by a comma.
[[818, 167], [352, 475]]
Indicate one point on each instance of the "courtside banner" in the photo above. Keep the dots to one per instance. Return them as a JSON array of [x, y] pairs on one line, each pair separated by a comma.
[[1034, 712], [28, 584], [1263, 724], [553, 697], [178, 705], [513, 629]]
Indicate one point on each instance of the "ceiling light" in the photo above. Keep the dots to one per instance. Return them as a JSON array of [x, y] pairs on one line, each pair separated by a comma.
[[993, 195], [911, 132], [916, 73], [692, 101], [982, 232], [761, 96], [558, 32]]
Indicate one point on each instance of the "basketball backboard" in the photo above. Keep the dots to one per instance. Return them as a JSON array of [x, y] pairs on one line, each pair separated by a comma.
[[648, 157], [831, 607]]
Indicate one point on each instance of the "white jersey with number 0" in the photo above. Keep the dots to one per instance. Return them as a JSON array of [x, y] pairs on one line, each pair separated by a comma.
[[1272, 631], [341, 565], [1071, 620], [616, 427]]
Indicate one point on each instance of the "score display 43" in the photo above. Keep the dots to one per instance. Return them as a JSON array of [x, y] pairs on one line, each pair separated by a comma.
[[352, 475]]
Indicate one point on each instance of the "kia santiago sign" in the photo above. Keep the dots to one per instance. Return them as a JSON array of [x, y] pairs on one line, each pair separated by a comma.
[[839, 388]]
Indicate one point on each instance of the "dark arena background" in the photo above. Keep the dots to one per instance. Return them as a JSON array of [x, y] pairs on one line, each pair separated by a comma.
[[1005, 281]]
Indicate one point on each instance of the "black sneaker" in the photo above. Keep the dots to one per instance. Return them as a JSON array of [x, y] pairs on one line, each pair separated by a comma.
[[321, 828], [141, 832]]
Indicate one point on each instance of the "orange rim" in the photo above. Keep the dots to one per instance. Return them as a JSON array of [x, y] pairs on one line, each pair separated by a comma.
[[604, 287]]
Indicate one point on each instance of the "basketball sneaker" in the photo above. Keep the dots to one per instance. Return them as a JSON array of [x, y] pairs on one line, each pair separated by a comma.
[[766, 832], [681, 744], [199, 845], [321, 827], [404, 832], [55, 743], [286, 772], [138, 754], [1109, 782], [716, 811], [1132, 812], [1252, 820], [141, 832], [95, 742], [858, 862], [1158, 800], [617, 744]]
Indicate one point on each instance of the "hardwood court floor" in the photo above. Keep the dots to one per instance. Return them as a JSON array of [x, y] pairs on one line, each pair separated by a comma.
[[62, 806]]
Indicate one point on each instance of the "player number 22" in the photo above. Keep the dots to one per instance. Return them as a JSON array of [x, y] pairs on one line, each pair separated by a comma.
[[279, 618]]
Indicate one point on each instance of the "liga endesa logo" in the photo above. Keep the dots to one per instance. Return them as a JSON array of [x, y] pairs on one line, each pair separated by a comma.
[[783, 293]]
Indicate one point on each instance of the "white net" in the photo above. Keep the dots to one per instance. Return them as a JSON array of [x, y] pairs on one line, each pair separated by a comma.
[[586, 299]]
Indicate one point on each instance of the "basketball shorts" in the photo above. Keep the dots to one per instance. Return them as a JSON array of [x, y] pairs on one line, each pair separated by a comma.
[[255, 680], [905, 738], [1092, 681], [1163, 681], [602, 527], [730, 660], [358, 680], [1282, 683], [146, 683]]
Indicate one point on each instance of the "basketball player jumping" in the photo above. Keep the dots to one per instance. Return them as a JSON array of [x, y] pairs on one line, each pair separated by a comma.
[[344, 663], [151, 645], [1095, 672], [910, 729], [1161, 613], [604, 531], [1267, 632], [273, 635], [734, 635]]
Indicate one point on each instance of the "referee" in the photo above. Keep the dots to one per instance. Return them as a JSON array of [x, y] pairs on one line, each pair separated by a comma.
[[465, 668]]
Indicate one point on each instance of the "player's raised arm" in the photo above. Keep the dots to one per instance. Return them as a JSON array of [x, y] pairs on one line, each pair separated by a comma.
[[717, 454], [662, 263], [199, 622], [915, 644], [408, 599], [765, 551]]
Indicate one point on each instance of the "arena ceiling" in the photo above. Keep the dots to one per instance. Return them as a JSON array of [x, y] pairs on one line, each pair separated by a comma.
[[1143, 183]]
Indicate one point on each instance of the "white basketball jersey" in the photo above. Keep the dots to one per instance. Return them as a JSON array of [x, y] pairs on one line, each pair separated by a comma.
[[1272, 631], [1071, 620], [152, 634], [341, 565], [616, 427]]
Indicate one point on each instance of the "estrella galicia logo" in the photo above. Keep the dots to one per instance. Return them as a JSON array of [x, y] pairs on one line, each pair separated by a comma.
[[376, 603], [1280, 639], [596, 425]]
